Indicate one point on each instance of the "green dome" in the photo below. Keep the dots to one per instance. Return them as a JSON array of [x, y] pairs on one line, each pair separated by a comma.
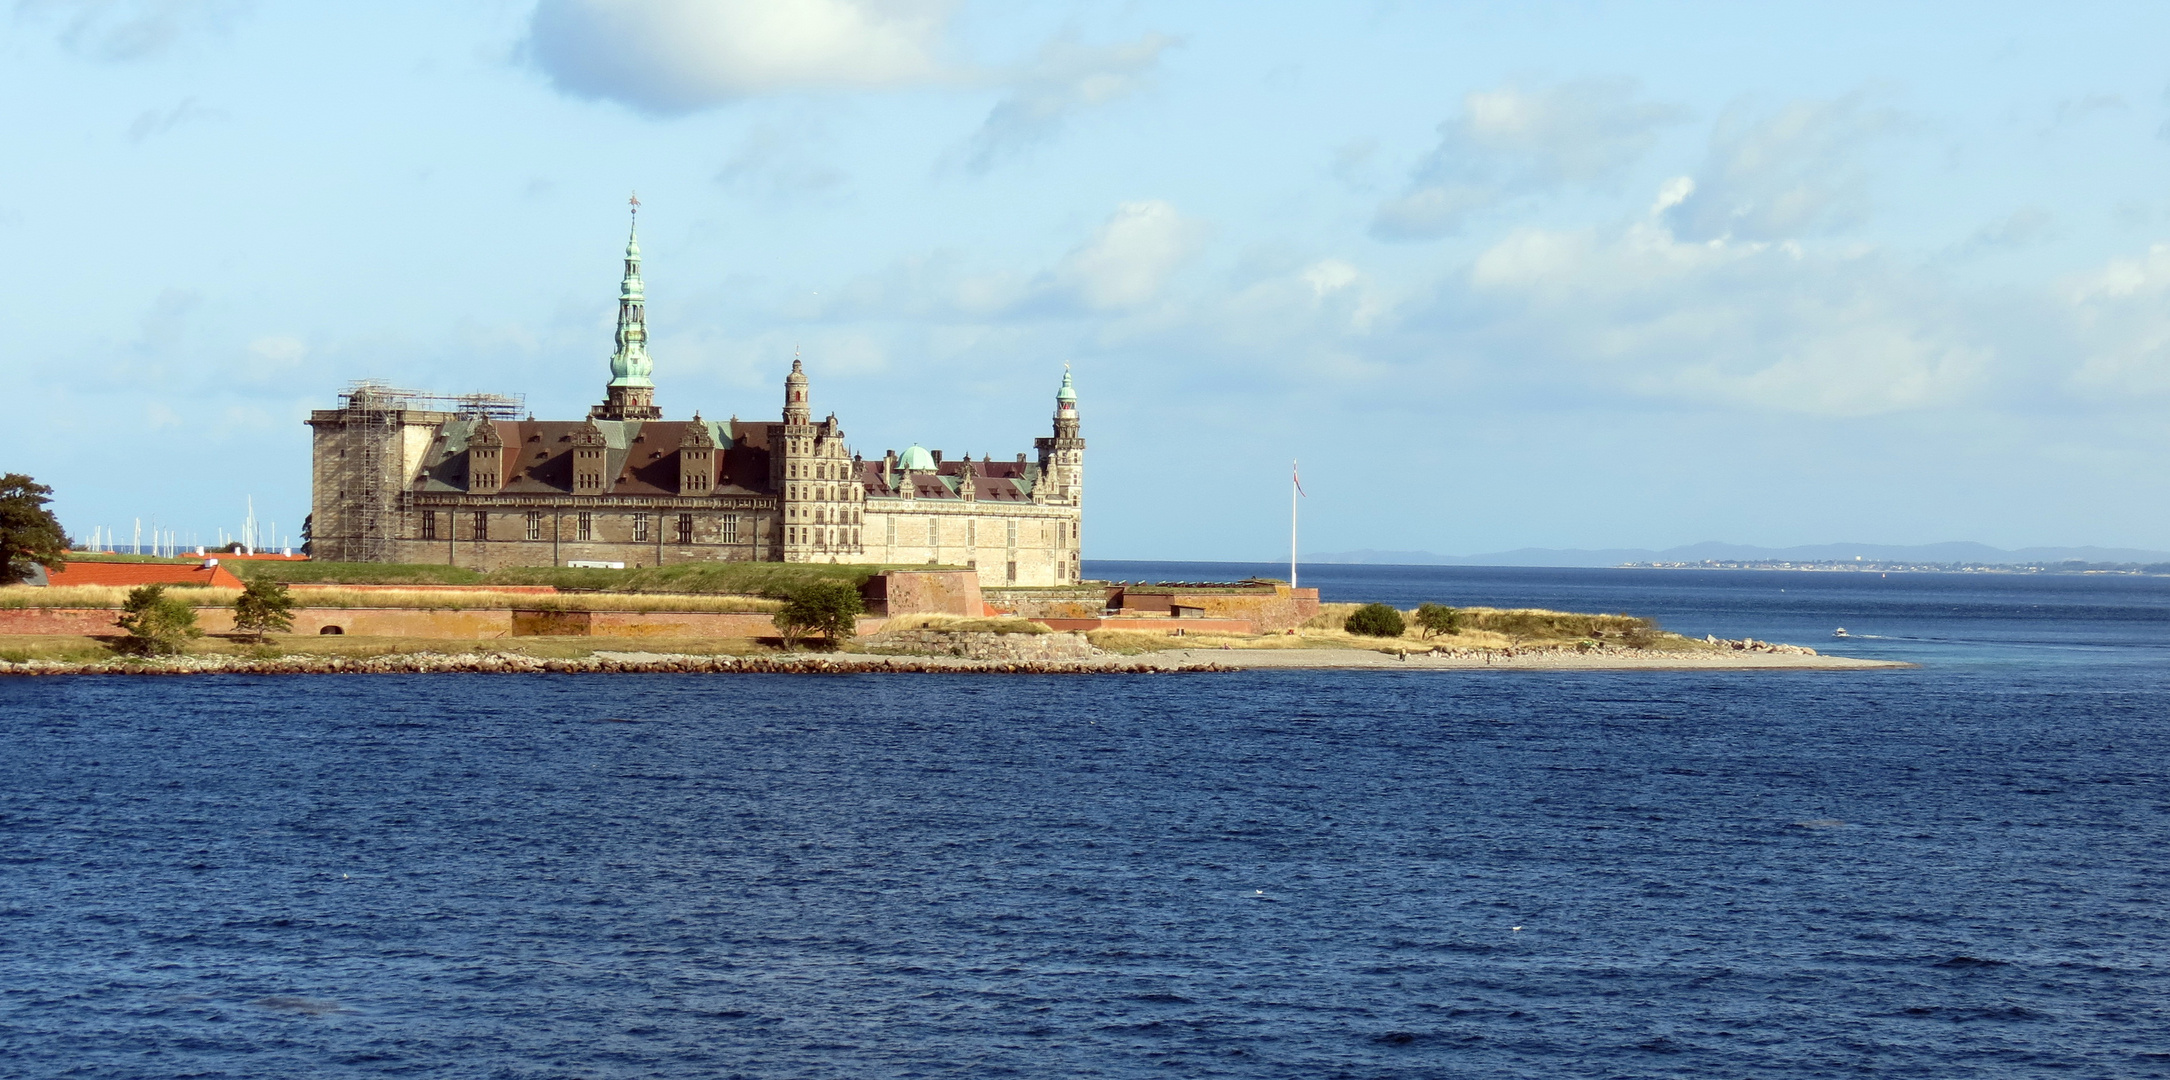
[[915, 459]]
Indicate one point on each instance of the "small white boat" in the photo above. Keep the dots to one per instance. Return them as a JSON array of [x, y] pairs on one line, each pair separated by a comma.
[[1840, 632]]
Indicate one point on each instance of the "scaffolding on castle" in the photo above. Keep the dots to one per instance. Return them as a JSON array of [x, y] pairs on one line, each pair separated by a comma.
[[374, 417]]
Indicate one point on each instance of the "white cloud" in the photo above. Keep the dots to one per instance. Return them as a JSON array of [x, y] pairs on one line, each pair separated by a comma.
[[668, 56], [1066, 78], [1766, 326], [1123, 268], [130, 29], [2121, 315], [1791, 174], [1130, 258], [1513, 142]]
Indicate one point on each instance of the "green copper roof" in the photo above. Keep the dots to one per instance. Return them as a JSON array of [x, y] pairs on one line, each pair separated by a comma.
[[630, 366], [915, 458], [1068, 393]]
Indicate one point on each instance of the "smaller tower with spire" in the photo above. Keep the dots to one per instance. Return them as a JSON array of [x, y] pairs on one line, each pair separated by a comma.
[[631, 394], [1062, 458], [794, 467]]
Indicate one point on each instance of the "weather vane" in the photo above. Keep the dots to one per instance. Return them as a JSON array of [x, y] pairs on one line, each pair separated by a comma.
[[635, 201]]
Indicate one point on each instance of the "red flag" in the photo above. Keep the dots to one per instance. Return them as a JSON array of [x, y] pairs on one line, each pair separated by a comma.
[[1297, 478]]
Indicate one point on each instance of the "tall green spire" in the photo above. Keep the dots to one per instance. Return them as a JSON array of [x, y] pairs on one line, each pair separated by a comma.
[[630, 395], [630, 365]]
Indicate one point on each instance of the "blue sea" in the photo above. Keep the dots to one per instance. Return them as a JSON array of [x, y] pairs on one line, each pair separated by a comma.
[[1952, 870]]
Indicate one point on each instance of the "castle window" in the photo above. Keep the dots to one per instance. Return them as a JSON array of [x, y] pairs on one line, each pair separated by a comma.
[[685, 528], [1011, 576], [429, 524], [534, 524], [640, 528], [730, 528], [1013, 543], [482, 525], [971, 532], [1062, 534], [934, 536], [892, 532], [586, 526]]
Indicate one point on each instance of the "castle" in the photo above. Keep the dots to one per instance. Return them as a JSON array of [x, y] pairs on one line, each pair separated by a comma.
[[411, 478]]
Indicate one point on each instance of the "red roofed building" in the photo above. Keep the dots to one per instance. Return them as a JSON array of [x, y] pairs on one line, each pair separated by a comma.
[[132, 574]]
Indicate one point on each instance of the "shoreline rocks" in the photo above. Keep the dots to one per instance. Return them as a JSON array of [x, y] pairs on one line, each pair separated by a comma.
[[516, 664]]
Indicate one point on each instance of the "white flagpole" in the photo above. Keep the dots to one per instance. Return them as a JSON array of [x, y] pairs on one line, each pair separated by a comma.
[[1292, 524]]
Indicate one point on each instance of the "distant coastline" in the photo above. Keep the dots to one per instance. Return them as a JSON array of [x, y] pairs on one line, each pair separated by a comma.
[[1879, 566], [1957, 556]]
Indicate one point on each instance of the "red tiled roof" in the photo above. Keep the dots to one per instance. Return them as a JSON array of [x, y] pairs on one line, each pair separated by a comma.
[[132, 574]]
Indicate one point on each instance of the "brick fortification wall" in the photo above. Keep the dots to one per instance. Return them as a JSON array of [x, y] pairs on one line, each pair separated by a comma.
[[926, 592]]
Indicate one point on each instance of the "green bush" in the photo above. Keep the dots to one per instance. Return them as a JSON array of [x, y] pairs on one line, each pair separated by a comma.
[[1374, 620], [157, 624], [828, 608], [1438, 619], [262, 608]]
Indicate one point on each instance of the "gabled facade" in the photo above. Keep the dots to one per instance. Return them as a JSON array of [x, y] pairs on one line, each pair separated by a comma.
[[394, 482]]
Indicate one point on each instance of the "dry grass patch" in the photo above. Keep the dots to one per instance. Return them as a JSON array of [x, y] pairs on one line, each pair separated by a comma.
[[1505, 628], [105, 596]]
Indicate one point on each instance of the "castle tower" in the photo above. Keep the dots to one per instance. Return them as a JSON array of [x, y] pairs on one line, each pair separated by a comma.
[[631, 394], [794, 466], [1062, 481], [1062, 458]]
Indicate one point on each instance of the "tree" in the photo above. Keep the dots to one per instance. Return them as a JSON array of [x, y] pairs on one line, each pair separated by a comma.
[[1439, 619], [308, 534], [262, 608], [157, 623], [828, 608], [29, 533], [1374, 620]]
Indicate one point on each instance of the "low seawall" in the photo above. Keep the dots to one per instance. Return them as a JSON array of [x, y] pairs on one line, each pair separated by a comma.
[[985, 646], [628, 664], [472, 624]]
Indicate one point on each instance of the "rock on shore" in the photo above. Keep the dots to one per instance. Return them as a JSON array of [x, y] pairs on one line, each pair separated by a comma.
[[602, 663]]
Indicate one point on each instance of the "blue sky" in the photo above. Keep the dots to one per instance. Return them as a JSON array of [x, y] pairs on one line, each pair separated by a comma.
[[1565, 274]]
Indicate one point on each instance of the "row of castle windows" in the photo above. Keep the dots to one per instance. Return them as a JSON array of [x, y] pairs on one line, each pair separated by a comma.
[[825, 516], [800, 534], [824, 494], [583, 526], [972, 532]]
